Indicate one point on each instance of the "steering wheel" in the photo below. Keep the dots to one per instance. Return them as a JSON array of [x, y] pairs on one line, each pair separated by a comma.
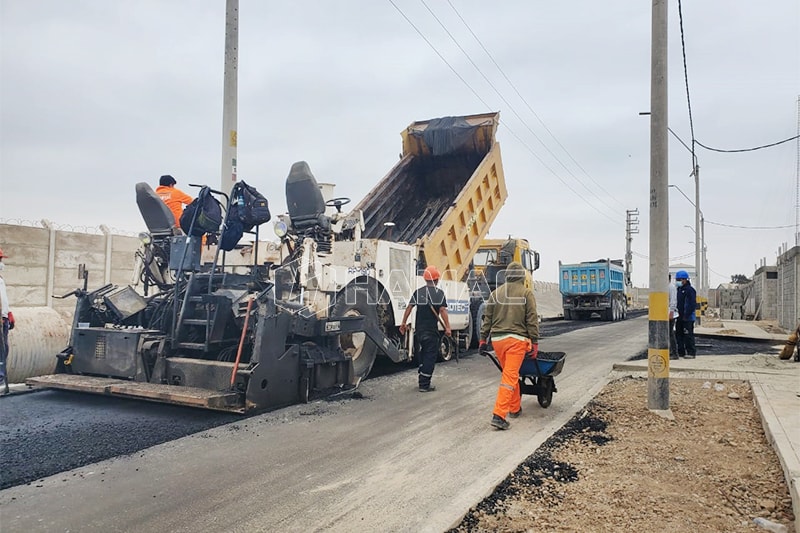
[[337, 203]]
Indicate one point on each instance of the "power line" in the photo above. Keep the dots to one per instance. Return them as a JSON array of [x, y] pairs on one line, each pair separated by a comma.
[[747, 149], [511, 131], [530, 108], [510, 106], [748, 227], [686, 80]]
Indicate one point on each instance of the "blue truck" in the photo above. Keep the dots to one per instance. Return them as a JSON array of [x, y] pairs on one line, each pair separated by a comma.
[[593, 287]]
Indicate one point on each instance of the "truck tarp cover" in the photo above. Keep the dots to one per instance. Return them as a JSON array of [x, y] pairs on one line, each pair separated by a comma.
[[418, 191], [448, 135]]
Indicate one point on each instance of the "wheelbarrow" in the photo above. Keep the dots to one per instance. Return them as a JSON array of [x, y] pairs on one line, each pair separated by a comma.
[[536, 374]]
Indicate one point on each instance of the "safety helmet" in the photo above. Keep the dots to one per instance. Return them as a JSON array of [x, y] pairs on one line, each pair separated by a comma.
[[167, 180], [431, 274], [681, 274]]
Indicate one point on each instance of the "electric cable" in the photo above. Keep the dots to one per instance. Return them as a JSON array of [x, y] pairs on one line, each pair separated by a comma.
[[686, 81], [530, 108], [511, 131], [510, 106], [747, 149], [748, 227]]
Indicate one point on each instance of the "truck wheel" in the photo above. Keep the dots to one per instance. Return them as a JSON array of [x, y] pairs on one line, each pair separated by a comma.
[[447, 349], [356, 300]]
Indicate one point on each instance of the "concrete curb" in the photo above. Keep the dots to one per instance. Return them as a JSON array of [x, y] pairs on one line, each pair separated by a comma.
[[782, 444]]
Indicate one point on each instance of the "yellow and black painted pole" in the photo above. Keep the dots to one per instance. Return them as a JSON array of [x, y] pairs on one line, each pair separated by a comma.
[[658, 352]]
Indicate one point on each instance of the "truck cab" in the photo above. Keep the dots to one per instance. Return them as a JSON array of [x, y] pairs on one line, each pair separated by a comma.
[[494, 256]]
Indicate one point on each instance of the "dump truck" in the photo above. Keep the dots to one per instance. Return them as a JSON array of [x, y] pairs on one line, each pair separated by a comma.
[[488, 271], [594, 287], [311, 317]]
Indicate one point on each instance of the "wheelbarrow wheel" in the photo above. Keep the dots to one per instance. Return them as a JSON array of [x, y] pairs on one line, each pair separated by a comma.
[[545, 396]]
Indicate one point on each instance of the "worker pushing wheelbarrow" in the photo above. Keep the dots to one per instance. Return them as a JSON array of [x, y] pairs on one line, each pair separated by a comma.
[[511, 324], [536, 374]]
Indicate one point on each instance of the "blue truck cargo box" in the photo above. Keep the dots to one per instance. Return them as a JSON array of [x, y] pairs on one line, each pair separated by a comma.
[[591, 278]]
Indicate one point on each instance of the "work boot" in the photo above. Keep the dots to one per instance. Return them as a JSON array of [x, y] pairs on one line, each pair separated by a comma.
[[499, 422], [674, 357], [688, 356], [515, 414], [429, 388]]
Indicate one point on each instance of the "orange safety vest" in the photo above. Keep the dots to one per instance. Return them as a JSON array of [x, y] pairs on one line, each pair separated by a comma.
[[175, 200]]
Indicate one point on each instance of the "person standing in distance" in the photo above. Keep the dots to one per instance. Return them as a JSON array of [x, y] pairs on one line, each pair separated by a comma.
[[513, 323], [175, 198], [431, 306], [673, 317], [687, 304]]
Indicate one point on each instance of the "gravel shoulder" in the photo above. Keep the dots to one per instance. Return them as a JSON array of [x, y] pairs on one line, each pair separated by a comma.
[[616, 466]]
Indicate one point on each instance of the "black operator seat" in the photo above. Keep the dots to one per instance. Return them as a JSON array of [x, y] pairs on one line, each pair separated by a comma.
[[157, 216], [304, 199]]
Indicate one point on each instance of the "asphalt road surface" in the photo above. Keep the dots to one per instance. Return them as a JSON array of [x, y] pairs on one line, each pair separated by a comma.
[[396, 460], [52, 431]]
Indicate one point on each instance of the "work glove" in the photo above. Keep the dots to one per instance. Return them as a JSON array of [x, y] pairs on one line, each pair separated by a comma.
[[534, 351], [11, 321], [482, 347], [403, 329]]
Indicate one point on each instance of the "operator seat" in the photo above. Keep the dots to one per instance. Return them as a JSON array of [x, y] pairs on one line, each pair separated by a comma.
[[304, 199], [157, 216]]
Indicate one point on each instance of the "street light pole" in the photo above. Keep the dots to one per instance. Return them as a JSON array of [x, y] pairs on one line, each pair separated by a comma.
[[701, 277], [698, 249]]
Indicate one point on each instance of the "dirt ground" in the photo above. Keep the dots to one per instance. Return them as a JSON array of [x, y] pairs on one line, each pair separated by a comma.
[[618, 467]]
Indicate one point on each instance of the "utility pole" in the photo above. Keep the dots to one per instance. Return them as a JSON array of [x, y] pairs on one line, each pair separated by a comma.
[[797, 184], [698, 241], [658, 327], [631, 228], [230, 96]]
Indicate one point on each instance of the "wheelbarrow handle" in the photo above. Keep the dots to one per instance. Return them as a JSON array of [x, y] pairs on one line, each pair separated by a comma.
[[490, 354]]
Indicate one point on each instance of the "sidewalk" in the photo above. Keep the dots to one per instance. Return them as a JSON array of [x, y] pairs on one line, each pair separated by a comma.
[[776, 389], [736, 329]]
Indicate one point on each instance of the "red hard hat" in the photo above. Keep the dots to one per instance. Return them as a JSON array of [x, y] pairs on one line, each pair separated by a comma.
[[431, 274]]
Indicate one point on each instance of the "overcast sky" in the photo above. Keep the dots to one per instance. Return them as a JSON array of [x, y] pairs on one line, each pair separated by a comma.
[[98, 95]]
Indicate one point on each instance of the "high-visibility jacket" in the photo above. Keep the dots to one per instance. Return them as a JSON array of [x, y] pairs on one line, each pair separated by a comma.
[[175, 200]]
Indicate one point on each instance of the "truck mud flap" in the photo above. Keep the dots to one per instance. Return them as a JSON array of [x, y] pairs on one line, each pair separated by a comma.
[[171, 394]]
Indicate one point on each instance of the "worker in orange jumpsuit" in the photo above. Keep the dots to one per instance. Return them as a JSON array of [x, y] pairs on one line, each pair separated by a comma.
[[511, 319], [175, 198]]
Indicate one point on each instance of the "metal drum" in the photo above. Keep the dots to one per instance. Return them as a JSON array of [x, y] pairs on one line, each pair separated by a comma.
[[40, 334]]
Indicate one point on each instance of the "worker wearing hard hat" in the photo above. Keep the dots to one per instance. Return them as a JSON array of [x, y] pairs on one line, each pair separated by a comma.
[[431, 307], [513, 323], [684, 326], [175, 198]]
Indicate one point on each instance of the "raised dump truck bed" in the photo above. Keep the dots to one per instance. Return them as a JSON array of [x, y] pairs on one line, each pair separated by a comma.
[[444, 193]]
